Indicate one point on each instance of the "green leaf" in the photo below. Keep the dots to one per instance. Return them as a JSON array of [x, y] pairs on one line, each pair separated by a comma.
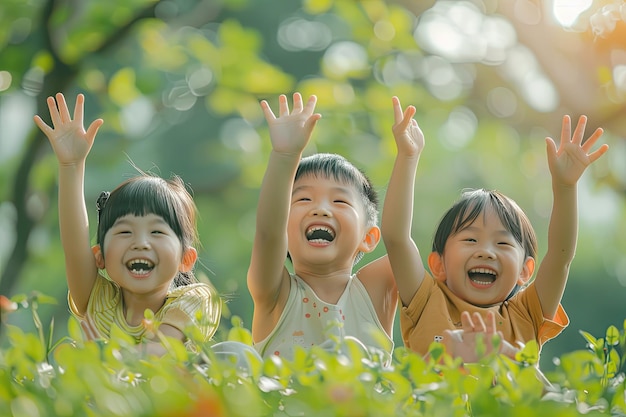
[[612, 336], [176, 348], [529, 353], [239, 334], [613, 363], [588, 337], [21, 299], [435, 351], [74, 330], [40, 298], [120, 337]]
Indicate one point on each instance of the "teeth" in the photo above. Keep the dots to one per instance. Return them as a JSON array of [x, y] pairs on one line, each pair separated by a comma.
[[139, 266], [320, 234], [482, 276], [482, 271], [313, 229]]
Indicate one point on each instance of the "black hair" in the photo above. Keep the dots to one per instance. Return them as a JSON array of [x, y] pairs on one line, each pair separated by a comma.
[[150, 194]]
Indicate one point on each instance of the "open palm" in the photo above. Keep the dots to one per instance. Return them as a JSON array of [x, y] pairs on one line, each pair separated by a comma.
[[69, 140], [573, 155], [290, 132]]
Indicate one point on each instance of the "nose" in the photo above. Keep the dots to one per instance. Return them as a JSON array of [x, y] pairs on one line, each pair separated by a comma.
[[321, 210], [141, 241], [485, 252]]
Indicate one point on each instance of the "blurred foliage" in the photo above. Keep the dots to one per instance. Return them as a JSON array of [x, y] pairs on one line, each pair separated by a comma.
[[178, 83], [77, 377]]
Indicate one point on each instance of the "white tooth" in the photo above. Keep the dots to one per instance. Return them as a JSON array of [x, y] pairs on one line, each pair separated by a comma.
[[482, 271], [324, 228], [139, 261]]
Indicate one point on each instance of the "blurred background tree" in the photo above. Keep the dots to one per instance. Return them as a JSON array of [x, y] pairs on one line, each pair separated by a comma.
[[178, 83]]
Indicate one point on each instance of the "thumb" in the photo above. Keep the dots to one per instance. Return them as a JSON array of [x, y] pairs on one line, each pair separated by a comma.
[[92, 130], [551, 151], [43, 126], [310, 124]]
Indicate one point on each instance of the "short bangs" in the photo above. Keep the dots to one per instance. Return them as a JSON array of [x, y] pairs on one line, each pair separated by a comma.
[[474, 202], [147, 194]]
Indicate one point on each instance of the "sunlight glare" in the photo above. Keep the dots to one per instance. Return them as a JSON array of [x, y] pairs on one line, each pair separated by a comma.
[[567, 11]]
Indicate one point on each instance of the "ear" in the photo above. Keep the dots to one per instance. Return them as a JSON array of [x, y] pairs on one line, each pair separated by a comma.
[[371, 239], [190, 256], [97, 254], [436, 266], [527, 271]]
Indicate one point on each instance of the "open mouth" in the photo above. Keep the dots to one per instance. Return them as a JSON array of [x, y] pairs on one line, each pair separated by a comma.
[[482, 276], [320, 234], [139, 266]]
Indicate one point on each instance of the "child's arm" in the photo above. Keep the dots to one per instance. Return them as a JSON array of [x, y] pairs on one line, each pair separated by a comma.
[[567, 164], [404, 256], [71, 145], [267, 275]]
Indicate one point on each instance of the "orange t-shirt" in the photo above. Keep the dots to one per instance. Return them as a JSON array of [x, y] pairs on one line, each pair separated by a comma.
[[435, 308]]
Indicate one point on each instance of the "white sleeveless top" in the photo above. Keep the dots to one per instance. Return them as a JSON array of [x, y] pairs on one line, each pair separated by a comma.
[[308, 321]]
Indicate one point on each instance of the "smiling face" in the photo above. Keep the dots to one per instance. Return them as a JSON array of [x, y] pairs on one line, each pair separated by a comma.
[[145, 195], [482, 262], [327, 224], [142, 254]]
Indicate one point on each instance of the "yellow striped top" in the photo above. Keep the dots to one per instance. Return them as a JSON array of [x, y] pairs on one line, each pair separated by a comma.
[[195, 304]]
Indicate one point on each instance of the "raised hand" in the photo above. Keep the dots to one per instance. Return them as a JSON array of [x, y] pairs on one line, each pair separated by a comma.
[[69, 140], [573, 156], [290, 132], [407, 133]]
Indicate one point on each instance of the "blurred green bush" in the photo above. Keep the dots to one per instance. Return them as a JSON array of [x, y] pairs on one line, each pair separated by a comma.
[[76, 377]]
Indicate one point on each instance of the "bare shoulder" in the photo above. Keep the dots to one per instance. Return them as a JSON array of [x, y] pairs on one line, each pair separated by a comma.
[[268, 297], [377, 278], [268, 307], [377, 273]]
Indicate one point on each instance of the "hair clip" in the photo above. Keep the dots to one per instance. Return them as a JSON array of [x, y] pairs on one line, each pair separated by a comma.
[[102, 200]]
